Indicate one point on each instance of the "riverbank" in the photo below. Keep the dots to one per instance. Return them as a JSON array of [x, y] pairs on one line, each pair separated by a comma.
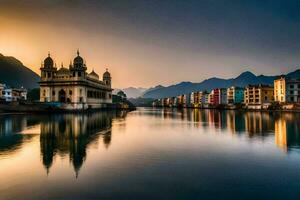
[[37, 107], [272, 107]]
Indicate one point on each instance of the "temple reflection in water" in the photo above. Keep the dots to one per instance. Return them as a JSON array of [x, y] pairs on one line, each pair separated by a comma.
[[71, 135]]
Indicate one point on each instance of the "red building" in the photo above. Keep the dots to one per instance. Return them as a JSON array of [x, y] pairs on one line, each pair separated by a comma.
[[215, 100]]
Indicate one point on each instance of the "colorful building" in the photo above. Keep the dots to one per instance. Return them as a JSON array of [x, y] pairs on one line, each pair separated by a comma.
[[258, 96], [195, 99], [235, 95], [218, 96], [287, 90]]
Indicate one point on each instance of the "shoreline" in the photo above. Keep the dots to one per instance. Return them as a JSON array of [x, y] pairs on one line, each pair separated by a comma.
[[40, 108], [235, 109]]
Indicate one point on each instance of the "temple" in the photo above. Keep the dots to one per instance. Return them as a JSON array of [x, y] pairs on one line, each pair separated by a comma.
[[74, 88]]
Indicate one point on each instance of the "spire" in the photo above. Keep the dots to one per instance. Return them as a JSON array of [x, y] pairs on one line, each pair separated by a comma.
[[107, 69], [48, 53], [62, 64], [77, 52]]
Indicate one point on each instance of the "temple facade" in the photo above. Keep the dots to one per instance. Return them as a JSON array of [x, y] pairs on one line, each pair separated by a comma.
[[73, 87]]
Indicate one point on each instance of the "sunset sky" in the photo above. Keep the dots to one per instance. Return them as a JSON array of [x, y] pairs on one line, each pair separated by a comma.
[[150, 42]]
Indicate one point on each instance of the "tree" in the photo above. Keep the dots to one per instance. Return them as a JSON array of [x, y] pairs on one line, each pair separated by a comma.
[[122, 94], [34, 94]]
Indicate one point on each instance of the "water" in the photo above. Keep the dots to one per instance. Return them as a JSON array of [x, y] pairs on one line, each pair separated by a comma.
[[150, 154]]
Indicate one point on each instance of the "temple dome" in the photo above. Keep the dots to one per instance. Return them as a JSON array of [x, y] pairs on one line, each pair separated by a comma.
[[106, 74], [94, 75], [63, 72], [48, 62]]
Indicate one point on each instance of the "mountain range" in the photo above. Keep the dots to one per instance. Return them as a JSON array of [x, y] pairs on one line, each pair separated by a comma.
[[186, 87], [131, 92], [15, 74]]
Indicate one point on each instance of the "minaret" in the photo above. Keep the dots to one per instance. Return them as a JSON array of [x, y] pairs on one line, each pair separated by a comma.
[[78, 69], [107, 78], [47, 69]]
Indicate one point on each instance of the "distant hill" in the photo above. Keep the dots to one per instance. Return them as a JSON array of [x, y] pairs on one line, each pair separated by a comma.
[[131, 92], [186, 87], [15, 74]]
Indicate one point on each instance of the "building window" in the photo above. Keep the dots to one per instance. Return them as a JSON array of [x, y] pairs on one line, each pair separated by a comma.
[[53, 93], [292, 99], [291, 86], [70, 92], [79, 74], [291, 92], [266, 98]]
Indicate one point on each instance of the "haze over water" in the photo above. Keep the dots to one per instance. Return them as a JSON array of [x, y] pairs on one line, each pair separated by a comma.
[[150, 153]]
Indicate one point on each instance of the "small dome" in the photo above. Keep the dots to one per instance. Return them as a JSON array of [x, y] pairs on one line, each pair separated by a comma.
[[106, 74], [94, 75], [48, 62], [63, 71], [78, 60]]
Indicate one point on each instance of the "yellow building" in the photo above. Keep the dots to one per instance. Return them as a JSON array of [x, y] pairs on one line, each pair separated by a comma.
[[279, 90], [258, 96], [73, 87], [287, 90]]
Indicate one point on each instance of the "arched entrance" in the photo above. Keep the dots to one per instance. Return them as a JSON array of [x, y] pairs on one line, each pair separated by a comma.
[[62, 96]]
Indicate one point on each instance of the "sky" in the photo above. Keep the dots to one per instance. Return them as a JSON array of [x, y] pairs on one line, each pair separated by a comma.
[[144, 43]]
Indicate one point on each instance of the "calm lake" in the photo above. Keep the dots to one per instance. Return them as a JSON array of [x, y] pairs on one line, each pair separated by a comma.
[[150, 154]]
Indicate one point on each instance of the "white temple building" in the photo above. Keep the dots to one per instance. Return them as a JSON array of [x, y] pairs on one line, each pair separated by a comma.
[[74, 88]]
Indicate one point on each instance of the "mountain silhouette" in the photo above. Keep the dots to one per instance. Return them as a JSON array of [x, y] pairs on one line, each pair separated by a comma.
[[242, 80], [15, 74]]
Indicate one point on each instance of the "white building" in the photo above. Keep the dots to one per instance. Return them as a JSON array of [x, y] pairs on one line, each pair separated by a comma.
[[73, 87]]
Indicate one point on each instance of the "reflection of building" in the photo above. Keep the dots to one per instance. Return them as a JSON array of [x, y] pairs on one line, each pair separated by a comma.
[[287, 90], [287, 132], [258, 123], [258, 96], [2, 86], [72, 134], [235, 121], [10, 127], [73, 86], [280, 133]]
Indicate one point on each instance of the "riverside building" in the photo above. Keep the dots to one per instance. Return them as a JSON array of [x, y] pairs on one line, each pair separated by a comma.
[[73, 87], [287, 90], [258, 96], [235, 95]]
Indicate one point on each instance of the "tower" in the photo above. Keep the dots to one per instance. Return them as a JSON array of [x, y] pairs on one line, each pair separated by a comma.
[[78, 69], [48, 70], [107, 78]]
